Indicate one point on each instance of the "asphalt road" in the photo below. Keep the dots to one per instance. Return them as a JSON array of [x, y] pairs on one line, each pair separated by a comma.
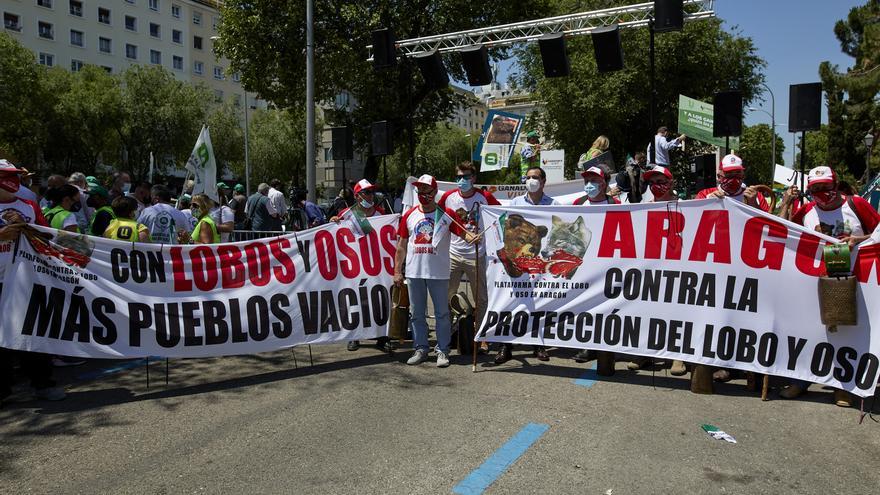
[[364, 422]]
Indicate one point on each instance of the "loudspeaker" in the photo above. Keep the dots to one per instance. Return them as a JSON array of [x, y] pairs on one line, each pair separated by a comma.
[[606, 45], [432, 69], [384, 52], [705, 169], [553, 55], [476, 64], [668, 15], [381, 141], [341, 143], [804, 107], [727, 115]]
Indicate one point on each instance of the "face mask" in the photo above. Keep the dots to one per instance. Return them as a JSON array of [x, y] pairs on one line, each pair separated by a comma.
[[824, 198], [532, 185], [75, 206], [425, 200], [591, 189], [195, 211], [730, 185], [365, 204], [465, 185], [126, 186], [660, 190], [10, 183]]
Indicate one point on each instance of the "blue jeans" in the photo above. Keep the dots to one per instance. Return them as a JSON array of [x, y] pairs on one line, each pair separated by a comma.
[[418, 298]]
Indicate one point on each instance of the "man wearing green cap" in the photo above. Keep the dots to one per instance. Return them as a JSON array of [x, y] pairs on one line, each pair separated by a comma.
[[530, 156], [98, 200], [237, 203]]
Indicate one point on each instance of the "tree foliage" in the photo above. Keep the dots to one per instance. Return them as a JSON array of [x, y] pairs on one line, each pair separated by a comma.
[[277, 147], [756, 152], [21, 129]]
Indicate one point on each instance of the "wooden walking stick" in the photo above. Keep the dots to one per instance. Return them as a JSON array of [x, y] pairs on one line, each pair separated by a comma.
[[476, 298], [765, 387]]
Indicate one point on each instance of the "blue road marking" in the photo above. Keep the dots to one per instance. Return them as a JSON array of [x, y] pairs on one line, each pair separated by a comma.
[[589, 378], [92, 375], [503, 458]]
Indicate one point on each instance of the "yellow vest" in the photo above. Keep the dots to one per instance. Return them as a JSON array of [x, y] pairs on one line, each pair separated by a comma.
[[124, 229], [206, 220]]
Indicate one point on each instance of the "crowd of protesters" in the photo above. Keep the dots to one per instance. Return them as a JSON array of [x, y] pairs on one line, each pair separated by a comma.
[[145, 212]]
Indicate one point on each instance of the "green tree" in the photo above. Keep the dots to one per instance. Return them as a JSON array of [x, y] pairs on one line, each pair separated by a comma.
[[225, 122], [276, 147], [162, 115], [22, 129], [698, 61], [437, 153], [757, 155], [851, 95]]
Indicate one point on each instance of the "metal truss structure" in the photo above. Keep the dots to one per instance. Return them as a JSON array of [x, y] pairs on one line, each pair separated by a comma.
[[630, 16]]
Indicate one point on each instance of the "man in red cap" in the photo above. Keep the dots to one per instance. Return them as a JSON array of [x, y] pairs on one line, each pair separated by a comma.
[[595, 187], [365, 206], [16, 212], [730, 176], [422, 260], [848, 218]]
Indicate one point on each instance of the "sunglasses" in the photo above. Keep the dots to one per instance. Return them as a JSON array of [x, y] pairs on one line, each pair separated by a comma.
[[463, 176]]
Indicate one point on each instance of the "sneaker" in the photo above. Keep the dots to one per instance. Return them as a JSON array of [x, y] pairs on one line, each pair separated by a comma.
[[417, 357], [50, 393], [792, 391], [353, 345], [585, 355], [637, 363], [678, 368], [442, 359], [60, 361], [842, 398]]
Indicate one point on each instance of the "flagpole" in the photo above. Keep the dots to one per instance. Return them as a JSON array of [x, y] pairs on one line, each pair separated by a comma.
[[476, 295]]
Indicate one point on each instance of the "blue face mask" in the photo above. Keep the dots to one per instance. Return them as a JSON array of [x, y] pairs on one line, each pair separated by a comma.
[[465, 185], [591, 189], [365, 204]]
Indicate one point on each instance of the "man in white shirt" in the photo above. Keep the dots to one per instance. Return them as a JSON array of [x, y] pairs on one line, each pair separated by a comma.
[[423, 249], [223, 215], [662, 145], [165, 222], [277, 205]]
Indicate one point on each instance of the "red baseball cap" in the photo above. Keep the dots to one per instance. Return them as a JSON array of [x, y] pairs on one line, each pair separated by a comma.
[[731, 163], [593, 171], [657, 170], [426, 180], [364, 185], [821, 174], [7, 167]]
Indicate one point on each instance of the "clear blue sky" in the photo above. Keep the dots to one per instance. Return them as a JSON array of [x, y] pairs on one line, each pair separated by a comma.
[[793, 37]]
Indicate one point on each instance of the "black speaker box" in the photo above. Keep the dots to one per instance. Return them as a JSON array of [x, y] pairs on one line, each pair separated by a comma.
[[804, 107], [553, 55], [668, 15], [476, 64], [433, 72], [727, 114], [382, 142], [384, 53], [606, 45], [341, 143]]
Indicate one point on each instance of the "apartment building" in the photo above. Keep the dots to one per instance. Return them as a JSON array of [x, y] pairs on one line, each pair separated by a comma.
[[116, 34]]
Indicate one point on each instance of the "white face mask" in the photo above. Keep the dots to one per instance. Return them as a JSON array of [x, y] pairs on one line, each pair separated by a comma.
[[126, 187], [532, 185]]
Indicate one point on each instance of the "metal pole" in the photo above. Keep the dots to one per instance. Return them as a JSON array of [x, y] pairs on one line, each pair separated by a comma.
[[803, 155], [653, 157], [247, 162], [772, 129], [311, 183]]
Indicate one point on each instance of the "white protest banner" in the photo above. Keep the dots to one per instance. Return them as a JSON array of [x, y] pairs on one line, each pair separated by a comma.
[[203, 166], [706, 281], [553, 163], [564, 192], [92, 297], [787, 176]]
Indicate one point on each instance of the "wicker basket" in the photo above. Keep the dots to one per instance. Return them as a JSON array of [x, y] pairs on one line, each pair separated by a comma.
[[837, 301], [399, 323]]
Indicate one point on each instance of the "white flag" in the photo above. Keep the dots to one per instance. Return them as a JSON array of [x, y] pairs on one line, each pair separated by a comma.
[[203, 166]]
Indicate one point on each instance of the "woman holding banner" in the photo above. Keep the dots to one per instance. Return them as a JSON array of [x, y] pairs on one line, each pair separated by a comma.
[[205, 231], [65, 203]]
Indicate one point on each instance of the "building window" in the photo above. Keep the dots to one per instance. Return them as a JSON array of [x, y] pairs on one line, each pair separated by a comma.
[[154, 4], [130, 1], [11, 22], [47, 59], [45, 3], [46, 31], [103, 15], [76, 38], [107, 69], [198, 68], [197, 18], [131, 51], [130, 23], [215, 22], [176, 36], [76, 65], [175, 11], [76, 8], [155, 57], [154, 30], [105, 45], [236, 76], [197, 42], [218, 72], [218, 95], [236, 100], [177, 62]]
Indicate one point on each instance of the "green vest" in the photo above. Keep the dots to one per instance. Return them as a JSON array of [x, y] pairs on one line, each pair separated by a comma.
[[206, 220], [56, 217], [123, 229], [95, 215]]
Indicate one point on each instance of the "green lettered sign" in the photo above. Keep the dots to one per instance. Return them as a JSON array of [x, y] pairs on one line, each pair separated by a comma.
[[695, 120]]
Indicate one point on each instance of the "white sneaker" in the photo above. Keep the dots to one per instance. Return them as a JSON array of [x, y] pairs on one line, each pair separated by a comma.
[[442, 359], [417, 357]]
